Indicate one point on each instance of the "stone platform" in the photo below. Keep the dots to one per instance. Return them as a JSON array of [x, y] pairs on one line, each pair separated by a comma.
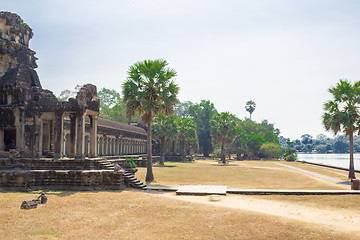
[[63, 174]]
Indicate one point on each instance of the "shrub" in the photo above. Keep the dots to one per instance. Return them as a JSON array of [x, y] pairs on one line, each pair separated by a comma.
[[290, 157], [270, 150], [130, 161]]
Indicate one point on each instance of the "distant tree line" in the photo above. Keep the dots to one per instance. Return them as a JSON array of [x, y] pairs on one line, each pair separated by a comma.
[[322, 144]]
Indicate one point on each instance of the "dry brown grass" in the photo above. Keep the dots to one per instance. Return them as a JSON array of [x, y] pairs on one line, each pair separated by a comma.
[[238, 174], [328, 202], [139, 215]]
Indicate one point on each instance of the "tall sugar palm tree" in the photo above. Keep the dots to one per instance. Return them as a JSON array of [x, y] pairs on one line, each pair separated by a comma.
[[164, 128], [250, 107], [342, 114], [148, 90], [224, 130], [187, 134]]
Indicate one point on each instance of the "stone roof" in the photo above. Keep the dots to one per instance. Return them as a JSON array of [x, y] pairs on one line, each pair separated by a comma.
[[121, 126]]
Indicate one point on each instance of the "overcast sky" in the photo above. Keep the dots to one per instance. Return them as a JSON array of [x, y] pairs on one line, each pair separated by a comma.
[[282, 54]]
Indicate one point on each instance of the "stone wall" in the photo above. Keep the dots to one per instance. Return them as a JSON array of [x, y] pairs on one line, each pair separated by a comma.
[[36, 124]]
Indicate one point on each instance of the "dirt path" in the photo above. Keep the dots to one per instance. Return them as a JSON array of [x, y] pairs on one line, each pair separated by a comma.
[[339, 220]]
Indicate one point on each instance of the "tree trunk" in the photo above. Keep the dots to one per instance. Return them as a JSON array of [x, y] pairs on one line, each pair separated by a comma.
[[173, 147], [149, 174], [351, 167], [182, 149], [223, 151], [162, 148]]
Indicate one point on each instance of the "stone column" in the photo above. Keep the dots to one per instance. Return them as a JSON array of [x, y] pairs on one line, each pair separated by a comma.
[[132, 144], [73, 130], [93, 136], [52, 136], [111, 146], [80, 136], [116, 146], [102, 146], [38, 135], [2, 140], [120, 146], [126, 152], [59, 135], [19, 133], [105, 152]]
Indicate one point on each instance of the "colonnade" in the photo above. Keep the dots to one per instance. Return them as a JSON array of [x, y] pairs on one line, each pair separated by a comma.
[[49, 136], [75, 141], [109, 145]]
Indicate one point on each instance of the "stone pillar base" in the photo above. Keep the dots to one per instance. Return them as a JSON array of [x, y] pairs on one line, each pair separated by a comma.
[[80, 157], [57, 156]]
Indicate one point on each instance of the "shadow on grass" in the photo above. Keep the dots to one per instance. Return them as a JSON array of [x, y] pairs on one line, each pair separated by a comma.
[[345, 183], [165, 166], [60, 193], [224, 165]]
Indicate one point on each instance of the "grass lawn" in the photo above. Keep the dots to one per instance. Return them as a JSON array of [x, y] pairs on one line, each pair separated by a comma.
[[238, 174]]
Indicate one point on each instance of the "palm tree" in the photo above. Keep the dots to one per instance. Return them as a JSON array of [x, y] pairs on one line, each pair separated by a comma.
[[164, 128], [342, 114], [187, 134], [250, 107], [149, 90], [224, 130]]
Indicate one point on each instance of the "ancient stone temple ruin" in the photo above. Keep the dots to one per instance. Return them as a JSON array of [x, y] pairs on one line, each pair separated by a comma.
[[46, 142]]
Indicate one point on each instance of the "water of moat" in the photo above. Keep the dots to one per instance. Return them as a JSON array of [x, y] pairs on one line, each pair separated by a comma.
[[334, 159]]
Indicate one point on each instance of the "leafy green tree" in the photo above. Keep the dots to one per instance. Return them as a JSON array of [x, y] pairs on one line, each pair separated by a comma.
[[239, 146], [202, 113], [290, 153], [112, 107], [223, 131], [342, 114], [250, 107], [251, 136], [321, 148], [164, 128], [182, 109], [270, 127], [254, 143], [66, 94], [271, 150], [187, 134], [149, 90], [306, 139], [283, 141], [341, 145]]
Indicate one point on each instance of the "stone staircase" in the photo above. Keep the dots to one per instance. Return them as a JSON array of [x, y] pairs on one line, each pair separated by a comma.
[[129, 177], [132, 181], [105, 164]]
